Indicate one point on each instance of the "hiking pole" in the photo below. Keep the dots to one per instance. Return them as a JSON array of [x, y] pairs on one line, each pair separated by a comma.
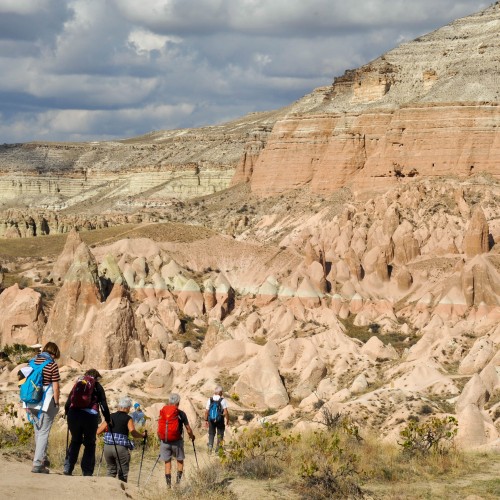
[[142, 456], [110, 426], [116, 451], [100, 462], [67, 441], [147, 480], [195, 455]]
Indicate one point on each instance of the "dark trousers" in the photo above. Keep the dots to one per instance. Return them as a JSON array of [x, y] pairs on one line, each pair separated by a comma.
[[83, 427], [214, 427]]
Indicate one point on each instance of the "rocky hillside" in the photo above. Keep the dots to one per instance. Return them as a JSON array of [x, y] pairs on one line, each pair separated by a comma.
[[372, 287], [427, 108]]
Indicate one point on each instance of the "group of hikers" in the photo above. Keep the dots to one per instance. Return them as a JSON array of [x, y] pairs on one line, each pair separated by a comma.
[[40, 393]]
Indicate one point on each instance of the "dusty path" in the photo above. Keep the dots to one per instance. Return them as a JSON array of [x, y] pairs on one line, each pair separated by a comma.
[[17, 482]]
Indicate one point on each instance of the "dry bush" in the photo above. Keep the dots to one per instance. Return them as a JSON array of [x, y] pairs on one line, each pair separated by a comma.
[[328, 466], [207, 483], [259, 453]]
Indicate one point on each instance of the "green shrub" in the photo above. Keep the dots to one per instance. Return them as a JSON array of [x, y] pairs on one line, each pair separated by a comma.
[[258, 453], [435, 435], [328, 470], [18, 353], [16, 436], [268, 412], [247, 416]]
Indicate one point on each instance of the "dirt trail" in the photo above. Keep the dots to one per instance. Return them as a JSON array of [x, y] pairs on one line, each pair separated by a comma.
[[18, 483]]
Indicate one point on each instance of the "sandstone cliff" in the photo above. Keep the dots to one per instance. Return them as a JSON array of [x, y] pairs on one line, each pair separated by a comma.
[[425, 109]]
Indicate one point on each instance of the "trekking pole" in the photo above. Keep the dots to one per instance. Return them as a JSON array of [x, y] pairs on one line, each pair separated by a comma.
[[142, 456], [100, 462], [116, 451], [147, 480], [67, 441], [195, 455], [110, 427]]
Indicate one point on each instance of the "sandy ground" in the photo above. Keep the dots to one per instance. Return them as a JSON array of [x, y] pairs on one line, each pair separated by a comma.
[[17, 482]]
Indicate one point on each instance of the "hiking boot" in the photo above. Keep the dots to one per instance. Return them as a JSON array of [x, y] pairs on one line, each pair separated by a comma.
[[67, 472], [46, 463], [40, 469]]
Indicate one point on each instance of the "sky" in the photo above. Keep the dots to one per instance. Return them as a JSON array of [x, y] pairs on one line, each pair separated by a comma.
[[85, 70]]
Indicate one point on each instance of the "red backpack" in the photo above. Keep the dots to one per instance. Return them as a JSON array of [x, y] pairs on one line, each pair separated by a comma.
[[82, 395], [169, 424]]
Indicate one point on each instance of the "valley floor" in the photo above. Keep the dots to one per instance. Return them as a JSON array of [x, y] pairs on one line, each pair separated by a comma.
[[18, 483]]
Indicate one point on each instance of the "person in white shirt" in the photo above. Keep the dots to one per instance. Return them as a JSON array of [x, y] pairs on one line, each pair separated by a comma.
[[216, 418]]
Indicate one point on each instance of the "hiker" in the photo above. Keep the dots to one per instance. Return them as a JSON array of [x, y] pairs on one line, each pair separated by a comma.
[[170, 432], [82, 411], [138, 415], [116, 440], [42, 413], [216, 418]]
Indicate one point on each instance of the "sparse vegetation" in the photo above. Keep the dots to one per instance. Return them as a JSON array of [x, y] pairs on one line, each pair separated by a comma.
[[399, 341], [432, 436], [258, 453], [328, 469], [17, 353], [226, 380]]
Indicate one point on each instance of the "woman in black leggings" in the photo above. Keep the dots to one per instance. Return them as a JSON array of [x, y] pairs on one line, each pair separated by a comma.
[[83, 422]]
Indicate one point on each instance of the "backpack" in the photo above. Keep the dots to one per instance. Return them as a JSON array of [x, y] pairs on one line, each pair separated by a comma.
[[31, 391], [215, 411], [169, 424], [83, 392]]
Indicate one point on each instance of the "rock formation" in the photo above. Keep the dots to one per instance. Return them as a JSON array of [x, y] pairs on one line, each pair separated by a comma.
[[353, 262]]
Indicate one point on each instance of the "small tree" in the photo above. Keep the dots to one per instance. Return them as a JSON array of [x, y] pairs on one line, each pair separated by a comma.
[[434, 435]]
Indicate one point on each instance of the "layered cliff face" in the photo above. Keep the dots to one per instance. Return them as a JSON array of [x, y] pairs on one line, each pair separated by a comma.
[[129, 174], [425, 109]]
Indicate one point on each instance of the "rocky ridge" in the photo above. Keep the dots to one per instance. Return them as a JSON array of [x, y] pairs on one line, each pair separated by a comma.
[[376, 295]]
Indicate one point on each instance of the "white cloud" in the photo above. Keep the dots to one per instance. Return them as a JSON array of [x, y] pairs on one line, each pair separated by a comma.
[[87, 125], [112, 68], [144, 41]]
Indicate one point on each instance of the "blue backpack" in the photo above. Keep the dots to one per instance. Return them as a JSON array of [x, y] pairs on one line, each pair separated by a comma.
[[31, 391], [215, 411]]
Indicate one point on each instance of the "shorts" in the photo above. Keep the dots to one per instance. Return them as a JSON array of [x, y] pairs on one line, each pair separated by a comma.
[[173, 449]]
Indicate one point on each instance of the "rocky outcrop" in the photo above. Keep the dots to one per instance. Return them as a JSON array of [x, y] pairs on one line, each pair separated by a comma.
[[148, 171], [66, 257], [22, 316], [90, 329], [366, 302], [476, 238]]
